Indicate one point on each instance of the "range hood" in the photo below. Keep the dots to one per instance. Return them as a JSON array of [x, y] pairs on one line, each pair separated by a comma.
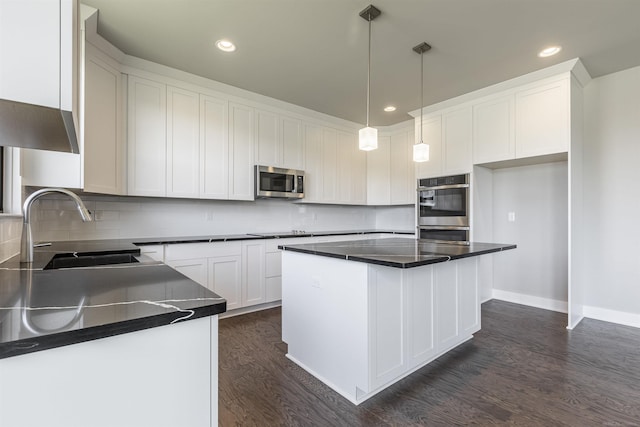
[[37, 127]]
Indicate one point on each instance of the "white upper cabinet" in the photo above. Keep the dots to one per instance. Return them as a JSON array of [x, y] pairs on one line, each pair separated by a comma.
[[39, 64], [379, 173], [431, 135], [214, 148], [103, 126], [456, 141], [278, 140], [329, 165], [147, 160], [402, 169], [268, 150], [313, 172], [493, 131], [241, 119], [292, 143], [183, 143], [532, 120], [37, 40], [543, 119]]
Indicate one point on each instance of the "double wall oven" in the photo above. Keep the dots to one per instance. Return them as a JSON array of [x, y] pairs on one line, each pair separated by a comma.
[[443, 209]]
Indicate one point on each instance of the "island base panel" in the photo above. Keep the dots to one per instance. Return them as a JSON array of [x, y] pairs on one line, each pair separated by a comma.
[[361, 327]]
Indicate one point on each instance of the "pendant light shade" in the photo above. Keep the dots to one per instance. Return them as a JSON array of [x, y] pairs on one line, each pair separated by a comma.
[[421, 150], [368, 136], [368, 139]]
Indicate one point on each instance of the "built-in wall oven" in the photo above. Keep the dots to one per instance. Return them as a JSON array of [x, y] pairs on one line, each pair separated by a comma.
[[442, 209]]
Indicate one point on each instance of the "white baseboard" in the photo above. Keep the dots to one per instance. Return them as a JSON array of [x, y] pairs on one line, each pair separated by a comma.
[[530, 300], [613, 316]]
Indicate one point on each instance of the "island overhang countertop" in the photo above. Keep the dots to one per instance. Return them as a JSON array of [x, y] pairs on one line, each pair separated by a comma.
[[397, 252]]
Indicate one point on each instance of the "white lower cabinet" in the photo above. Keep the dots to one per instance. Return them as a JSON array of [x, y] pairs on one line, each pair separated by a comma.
[[194, 269], [224, 278], [253, 279]]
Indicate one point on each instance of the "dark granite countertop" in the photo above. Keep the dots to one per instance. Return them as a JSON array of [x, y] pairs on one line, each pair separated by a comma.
[[396, 252], [256, 235], [43, 309]]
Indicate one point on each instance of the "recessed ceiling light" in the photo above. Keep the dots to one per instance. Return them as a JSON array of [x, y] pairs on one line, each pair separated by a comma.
[[389, 108], [549, 51], [225, 45]]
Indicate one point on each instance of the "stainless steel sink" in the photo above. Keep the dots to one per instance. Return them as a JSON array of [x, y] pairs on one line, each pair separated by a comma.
[[75, 261]]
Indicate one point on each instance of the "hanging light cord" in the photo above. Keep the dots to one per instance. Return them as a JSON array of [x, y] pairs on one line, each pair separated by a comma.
[[369, 71], [421, 91]]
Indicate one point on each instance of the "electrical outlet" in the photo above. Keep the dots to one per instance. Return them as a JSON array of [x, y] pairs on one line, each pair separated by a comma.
[[210, 216], [511, 217]]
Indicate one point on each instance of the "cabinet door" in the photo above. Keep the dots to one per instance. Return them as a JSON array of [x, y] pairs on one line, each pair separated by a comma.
[[314, 171], [147, 133], [214, 148], [456, 140], [183, 143], [358, 173], [432, 135], [253, 273], [421, 309], [402, 179], [30, 51], [329, 165], [225, 279], [542, 120], [493, 133], [194, 269], [379, 173], [468, 296], [343, 168], [446, 305], [241, 185], [267, 143], [292, 146], [103, 142]]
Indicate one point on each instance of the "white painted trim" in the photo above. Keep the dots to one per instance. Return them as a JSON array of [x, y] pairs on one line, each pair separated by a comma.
[[553, 71], [613, 316], [250, 309], [530, 300]]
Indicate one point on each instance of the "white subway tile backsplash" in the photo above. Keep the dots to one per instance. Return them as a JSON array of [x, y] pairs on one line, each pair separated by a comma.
[[123, 217]]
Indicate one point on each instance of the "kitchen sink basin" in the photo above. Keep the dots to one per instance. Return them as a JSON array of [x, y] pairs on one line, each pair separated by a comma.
[[74, 261]]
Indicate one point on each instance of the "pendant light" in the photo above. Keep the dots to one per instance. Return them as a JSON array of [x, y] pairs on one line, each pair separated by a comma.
[[368, 136], [421, 150]]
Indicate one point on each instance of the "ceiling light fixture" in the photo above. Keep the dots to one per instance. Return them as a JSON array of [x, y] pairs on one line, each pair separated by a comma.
[[549, 51], [368, 136], [389, 108], [225, 45], [421, 150]]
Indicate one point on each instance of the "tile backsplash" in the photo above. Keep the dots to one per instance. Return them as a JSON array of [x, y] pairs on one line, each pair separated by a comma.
[[55, 217], [10, 234]]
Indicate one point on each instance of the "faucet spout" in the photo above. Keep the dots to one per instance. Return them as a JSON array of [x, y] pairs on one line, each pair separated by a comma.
[[26, 245]]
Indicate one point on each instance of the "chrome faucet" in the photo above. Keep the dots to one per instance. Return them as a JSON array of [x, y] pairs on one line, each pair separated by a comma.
[[26, 245]]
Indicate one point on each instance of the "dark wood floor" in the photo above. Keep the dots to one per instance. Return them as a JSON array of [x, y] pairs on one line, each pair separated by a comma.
[[522, 368]]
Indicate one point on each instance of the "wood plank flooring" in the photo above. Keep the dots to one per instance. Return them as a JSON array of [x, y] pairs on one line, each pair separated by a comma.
[[522, 368]]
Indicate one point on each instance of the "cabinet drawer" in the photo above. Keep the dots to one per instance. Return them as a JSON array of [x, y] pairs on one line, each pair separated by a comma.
[[202, 250]]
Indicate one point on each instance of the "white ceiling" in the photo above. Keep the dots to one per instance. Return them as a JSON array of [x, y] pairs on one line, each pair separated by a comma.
[[313, 53]]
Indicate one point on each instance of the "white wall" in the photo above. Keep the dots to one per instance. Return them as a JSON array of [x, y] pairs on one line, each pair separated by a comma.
[[537, 195], [396, 218], [612, 195], [56, 218]]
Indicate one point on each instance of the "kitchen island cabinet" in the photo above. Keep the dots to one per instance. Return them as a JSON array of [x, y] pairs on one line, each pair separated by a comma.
[[362, 315]]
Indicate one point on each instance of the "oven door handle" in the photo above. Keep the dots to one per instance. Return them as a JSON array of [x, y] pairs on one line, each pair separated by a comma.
[[444, 187], [444, 227]]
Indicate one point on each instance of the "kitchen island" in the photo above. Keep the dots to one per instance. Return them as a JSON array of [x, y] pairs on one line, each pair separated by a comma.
[[361, 315], [118, 344]]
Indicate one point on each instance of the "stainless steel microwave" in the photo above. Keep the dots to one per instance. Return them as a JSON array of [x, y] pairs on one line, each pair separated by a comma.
[[278, 182]]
